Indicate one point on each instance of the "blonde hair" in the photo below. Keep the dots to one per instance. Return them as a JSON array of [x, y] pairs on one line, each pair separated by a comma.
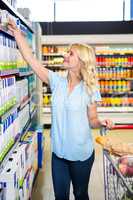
[[88, 70]]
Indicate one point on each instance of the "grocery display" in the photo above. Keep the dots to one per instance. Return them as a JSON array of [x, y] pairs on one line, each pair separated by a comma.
[[115, 74], [114, 65], [18, 111]]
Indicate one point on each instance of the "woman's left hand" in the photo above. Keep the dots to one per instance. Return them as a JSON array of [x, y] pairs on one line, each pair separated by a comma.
[[107, 123]]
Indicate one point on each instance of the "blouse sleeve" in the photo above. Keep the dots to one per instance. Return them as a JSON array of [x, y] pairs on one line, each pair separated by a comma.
[[54, 79], [96, 97]]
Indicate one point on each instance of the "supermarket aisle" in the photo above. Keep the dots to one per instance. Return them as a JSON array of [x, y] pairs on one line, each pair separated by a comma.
[[43, 186]]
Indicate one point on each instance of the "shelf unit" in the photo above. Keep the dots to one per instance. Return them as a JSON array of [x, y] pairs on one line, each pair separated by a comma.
[[18, 99], [114, 64]]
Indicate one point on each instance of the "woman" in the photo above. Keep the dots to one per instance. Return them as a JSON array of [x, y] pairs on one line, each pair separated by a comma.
[[74, 112]]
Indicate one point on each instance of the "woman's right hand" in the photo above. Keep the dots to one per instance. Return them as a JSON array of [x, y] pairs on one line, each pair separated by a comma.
[[12, 26]]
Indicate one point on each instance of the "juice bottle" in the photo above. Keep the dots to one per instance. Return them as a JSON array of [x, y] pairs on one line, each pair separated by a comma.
[[111, 101], [100, 86], [45, 100], [113, 72], [126, 61], [121, 73], [119, 101], [123, 84], [119, 86], [131, 73], [99, 72], [106, 60], [124, 73], [128, 86], [131, 100], [106, 86], [103, 72], [108, 101], [111, 86], [103, 102], [117, 72], [44, 50], [128, 74], [131, 60], [110, 72], [113, 61], [110, 60], [106, 73], [115, 86]]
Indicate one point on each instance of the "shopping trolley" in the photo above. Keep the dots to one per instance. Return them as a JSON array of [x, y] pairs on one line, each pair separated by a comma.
[[117, 186]]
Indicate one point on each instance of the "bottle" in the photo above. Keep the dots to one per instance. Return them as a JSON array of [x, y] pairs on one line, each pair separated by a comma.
[[44, 50], [124, 86], [128, 86], [45, 100], [4, 15], [111, 86], [119, 85], [115, 89], [121, 72], [3, 54]]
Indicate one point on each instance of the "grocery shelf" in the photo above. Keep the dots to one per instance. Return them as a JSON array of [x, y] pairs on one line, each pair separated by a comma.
[[33, 93], [108, 66], [24, 103], [47, 109], [117, 117], [6, 32], [33, 113], [21, 74], [5, 5], [121, 109], [16, 121], [5, 115], [25, 129], [60, 66], [13, 144], [52, 54], [113, 79], [8, 152], [116, 93], [8, 72]]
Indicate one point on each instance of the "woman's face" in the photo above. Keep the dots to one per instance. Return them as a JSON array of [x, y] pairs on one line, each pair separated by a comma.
[[71, 60]]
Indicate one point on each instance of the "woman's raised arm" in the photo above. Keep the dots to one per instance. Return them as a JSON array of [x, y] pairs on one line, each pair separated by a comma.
[[27, 54]]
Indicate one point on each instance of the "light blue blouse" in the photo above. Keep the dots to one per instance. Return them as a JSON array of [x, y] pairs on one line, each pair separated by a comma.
[[70, 131]]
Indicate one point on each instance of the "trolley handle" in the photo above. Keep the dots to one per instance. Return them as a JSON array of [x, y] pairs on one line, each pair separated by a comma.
[[103, 130]]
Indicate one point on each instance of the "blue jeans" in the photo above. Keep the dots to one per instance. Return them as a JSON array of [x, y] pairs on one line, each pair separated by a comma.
[[64, 171]]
